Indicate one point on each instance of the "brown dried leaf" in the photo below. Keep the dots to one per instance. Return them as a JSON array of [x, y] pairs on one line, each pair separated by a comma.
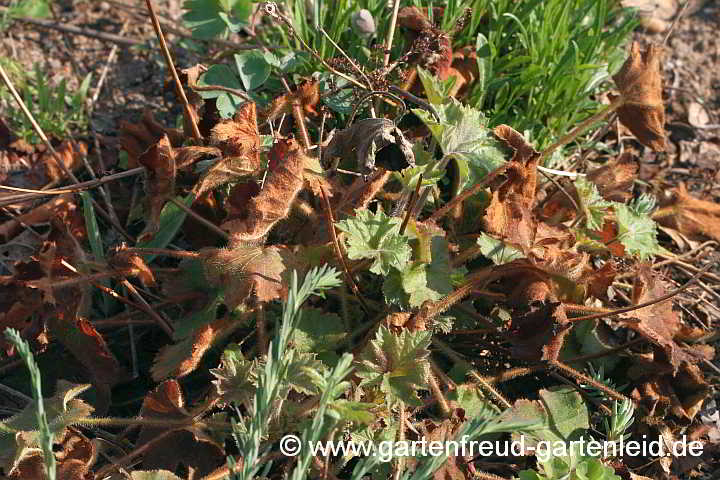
[[538, 332], [124, 260], [239, 140], [640, 82], [188, 446], [690, 216], [658, 323], [183, 357], [136, 137], [244, 269], [274, 201], [307, 95], [40, 214], [413, 18], [662, 392], [90, 349], [70, 156], [614, 180], [365, 139], [509, 215], [159, 160], [186, 157]]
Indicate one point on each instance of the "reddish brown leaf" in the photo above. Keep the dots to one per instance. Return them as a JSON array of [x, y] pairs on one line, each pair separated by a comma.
[[640, 82], [123, 260], [306, 94], [244, 269], [239, 140], [183, 357], [614, 180], [159, 160], [189, 446], [663, 392], [658, 323], [274, 201], [136, 137], [509, 215], [40, 214], [70, 156]]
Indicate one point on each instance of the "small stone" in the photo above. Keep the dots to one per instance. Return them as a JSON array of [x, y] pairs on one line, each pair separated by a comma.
[[363, 23]]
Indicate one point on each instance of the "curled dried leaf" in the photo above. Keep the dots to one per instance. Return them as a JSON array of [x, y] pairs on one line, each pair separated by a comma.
[[640, 82], [190, 446], [306, 94], [239, 141], [689, 215], [509, 215], [181, 358], [658, 322], [365, 139], [136, 137], [124, 260], [273, 203], [159, 160], [244, 269], [614, 180]]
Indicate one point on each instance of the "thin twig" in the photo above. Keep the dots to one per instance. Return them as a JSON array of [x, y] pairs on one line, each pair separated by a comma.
[[171, 66], [675, 21], [221, 88], [87, 32], [577, 131], [338, 249], [411, 205], [161, 321], [211, 226], [442, 211], [665, 297]]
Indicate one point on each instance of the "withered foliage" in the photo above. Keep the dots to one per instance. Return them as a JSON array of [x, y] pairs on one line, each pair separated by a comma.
[[267, 209], [690, 216], [273, 203], [238, 140], [159, 162], [640, 83]]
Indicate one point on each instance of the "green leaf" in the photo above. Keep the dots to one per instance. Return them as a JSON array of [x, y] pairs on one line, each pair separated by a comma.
[[31, 8], [484, 63], [376, 236], [468, 397], [463, 135], [318, 332], [397, 364], [497, 250], [637, 232], [562, 414], [236, 378], [253, 68], [424, 164], [420, 281], [644, 204], [356, 412], [304, 375], [171, 219], [61, 411], [593, 205], [436, 90], [208, 19], [222, 75]]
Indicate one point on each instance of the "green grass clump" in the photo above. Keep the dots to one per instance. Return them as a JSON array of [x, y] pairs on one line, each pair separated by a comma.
[[57, 109]]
